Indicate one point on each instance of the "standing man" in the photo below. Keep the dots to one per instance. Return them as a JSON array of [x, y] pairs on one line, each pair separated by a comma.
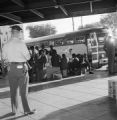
[[70, 59], [16, 54], [52, 50], [109, 47]]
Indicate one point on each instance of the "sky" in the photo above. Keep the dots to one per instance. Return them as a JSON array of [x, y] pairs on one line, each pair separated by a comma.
[[65, 25]]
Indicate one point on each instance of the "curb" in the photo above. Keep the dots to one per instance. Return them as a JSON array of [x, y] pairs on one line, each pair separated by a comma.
[[55, 83], [49, 84]]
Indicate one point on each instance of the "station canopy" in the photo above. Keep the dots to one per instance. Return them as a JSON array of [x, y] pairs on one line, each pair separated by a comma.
[[23, 11]]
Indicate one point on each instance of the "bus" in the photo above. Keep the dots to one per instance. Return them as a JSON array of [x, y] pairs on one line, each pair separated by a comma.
[[83, 41]]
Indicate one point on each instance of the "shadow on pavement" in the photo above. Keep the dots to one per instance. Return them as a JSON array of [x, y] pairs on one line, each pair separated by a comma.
[[38, 87], [5, 94], [15, 118], [69, 80], [91, 110], [4, 82], [9, 116], [6, 115]]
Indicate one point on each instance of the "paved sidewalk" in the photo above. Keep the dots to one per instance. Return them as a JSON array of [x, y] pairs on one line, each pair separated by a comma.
[[78, 101]]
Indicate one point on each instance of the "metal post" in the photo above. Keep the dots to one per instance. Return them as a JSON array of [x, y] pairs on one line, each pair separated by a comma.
[[2, 61], [82, 21], [73, 23]]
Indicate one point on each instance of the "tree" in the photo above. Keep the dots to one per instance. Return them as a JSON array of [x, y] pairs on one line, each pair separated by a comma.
[[41, 30], [109, 21], [94, 25]]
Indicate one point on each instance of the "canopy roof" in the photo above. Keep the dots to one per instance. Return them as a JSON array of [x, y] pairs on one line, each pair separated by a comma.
[[23, 11]]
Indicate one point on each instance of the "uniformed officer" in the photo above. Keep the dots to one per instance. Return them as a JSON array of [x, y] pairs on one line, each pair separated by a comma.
[[109, 47], [16, 54]]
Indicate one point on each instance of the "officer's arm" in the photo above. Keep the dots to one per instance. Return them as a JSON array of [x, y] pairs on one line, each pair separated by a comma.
[[4, 58], [25, 52], [4, 53]]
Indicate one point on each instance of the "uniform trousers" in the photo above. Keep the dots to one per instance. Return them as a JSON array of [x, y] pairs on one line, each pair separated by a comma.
[[18, 81]]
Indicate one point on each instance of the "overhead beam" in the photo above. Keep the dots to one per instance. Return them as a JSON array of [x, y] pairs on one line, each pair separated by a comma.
[[54, 1], [64, 10], [37, 5], [95, 11], [11, 17], [37, 13], [18, 2]]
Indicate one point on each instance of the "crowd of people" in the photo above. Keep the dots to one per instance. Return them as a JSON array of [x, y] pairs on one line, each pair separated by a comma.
[[68, 64]]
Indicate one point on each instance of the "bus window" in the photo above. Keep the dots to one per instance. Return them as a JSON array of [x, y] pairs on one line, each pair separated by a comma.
[[69, 41], [80, 40], [45, 43], [51, 42], [94, 56], [101, 34], [101, 43], [102, 55], [101, 49], [58, 42], [101, 38], [94, 49]]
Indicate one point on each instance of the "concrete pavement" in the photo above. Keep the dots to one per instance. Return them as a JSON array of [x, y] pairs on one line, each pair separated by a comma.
[[80, 100]]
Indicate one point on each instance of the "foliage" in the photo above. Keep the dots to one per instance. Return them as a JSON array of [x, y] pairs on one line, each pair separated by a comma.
[[94, 25], [41, 30], [109, 21]]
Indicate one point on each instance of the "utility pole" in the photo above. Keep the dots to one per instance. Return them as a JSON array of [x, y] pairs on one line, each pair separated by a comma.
[[73, 23], [81, 21]]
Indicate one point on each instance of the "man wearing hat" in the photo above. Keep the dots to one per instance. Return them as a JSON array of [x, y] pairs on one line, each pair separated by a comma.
[[16, 54]]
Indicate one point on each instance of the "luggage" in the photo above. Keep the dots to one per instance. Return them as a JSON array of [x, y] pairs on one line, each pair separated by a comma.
[[57, 76], [112, 89]]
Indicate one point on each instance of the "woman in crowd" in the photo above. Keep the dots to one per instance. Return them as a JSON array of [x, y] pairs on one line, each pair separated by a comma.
[[40, 67], [64, 65]]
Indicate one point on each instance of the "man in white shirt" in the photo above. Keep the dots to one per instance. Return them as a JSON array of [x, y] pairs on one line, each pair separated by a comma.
[[16, 54]]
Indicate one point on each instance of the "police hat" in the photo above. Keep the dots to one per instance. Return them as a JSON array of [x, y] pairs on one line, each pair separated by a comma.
[[16, 27]]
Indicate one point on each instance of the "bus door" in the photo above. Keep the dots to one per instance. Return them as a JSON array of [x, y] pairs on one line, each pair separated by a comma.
[[102, 54], [92, 46]]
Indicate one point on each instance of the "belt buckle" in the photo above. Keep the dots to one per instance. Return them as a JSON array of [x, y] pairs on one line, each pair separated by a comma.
[[19, 66]]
